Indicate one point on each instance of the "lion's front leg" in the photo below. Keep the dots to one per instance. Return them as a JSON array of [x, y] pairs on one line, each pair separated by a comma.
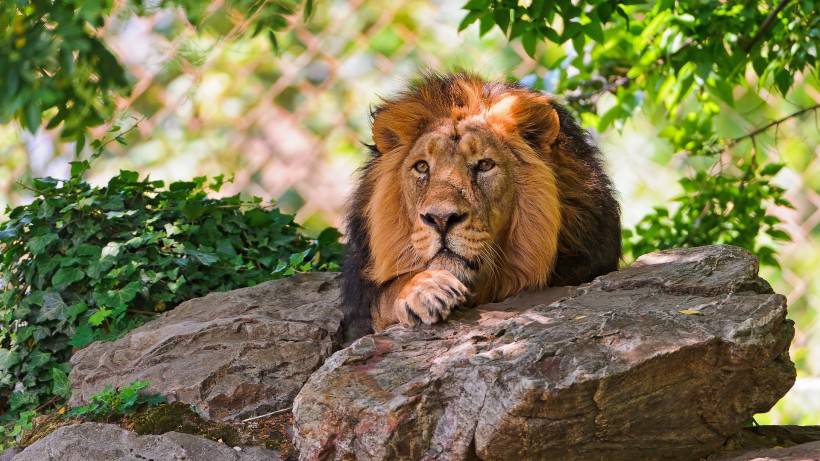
[[427, 297]]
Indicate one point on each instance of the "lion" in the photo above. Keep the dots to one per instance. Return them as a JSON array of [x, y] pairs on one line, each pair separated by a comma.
[[475, 191]]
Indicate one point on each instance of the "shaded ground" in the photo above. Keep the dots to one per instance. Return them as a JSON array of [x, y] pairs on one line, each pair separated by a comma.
[[271, 432], [761, 437]]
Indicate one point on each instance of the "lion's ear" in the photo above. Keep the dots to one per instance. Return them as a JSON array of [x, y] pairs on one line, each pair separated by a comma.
[[398, 124], [530, 116]]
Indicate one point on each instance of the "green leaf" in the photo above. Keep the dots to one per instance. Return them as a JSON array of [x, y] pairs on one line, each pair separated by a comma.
[[502, 18], [38, 244], [82, 337], [783, 78], [477, 5], [307, 12], [75, 310], [594, 31], [65, 276], [8, 359], [36, 359], [99, 316], [22, 400], [486, 23], [33, 113], [60, 386], [79, 167], [118, 297], [53, 307], [202, 257], [110, 250], [771, 169], [778, 234], [529, 40]]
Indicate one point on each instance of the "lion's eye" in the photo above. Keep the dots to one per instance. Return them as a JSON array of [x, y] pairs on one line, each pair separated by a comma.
[[485, 164], [421, 166]]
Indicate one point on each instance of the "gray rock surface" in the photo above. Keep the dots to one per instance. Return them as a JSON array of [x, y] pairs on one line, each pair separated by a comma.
[[803, 452], [9, 453], [663, 360], [232, 354], [107, 442]]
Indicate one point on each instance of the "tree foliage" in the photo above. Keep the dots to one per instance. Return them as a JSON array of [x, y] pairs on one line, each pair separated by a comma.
[[683, 62], [55, 67], [82, 263]]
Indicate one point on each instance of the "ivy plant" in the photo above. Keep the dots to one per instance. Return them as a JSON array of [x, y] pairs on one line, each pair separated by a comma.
[[111, 403], [82, 263]]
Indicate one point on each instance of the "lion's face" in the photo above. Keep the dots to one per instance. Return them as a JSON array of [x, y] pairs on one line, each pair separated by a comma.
[[458, 189], [461, 183]]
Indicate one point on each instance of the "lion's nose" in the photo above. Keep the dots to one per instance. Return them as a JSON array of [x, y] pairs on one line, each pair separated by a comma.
[[443, 221]]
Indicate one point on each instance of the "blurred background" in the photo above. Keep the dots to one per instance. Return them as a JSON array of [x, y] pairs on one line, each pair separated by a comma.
[[289, 125]]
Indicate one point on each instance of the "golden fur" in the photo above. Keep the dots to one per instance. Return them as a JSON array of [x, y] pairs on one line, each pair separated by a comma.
[[474, 193]]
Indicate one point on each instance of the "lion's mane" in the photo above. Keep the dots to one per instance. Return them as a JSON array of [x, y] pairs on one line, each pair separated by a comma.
[[589, 240]]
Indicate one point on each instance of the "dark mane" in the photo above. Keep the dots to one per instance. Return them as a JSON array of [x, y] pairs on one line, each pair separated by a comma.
[[582, 259], [358, 292]]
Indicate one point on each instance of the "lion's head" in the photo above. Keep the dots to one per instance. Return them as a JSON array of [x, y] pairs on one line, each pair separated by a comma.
[[461, 185], [477, 178]]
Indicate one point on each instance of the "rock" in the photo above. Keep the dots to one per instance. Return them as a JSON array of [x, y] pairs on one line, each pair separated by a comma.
[[804, 452], [663, 360], [233, 354], [765, 436], [8, 453], [108, 442]]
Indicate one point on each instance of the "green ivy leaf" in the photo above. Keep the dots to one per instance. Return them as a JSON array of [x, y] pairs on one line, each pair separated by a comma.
[[39, 243], [83, 336], [53, 307], [8, 359], [65, 276], [60, 386], [99, 316]]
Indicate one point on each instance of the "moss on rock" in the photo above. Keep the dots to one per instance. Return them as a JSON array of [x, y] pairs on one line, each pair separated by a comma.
[[180, 417]]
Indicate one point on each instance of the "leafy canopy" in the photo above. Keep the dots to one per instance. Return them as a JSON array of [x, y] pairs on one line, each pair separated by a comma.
[[682, 63], [54, 65]]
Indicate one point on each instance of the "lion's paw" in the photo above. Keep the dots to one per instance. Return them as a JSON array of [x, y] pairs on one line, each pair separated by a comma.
[[429, 297]]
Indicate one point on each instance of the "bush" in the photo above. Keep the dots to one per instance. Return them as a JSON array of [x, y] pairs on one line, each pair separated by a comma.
[[716, 208], [83, 263]]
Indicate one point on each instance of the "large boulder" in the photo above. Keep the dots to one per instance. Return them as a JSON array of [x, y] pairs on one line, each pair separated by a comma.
[[231, 354], [663, 360], [108, 442]]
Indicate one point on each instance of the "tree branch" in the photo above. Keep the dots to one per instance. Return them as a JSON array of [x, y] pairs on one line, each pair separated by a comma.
[[765, 26], [757, 131], [579, 96]]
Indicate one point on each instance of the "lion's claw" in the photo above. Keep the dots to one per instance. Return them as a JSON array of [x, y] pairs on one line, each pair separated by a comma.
[[429, 297]]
